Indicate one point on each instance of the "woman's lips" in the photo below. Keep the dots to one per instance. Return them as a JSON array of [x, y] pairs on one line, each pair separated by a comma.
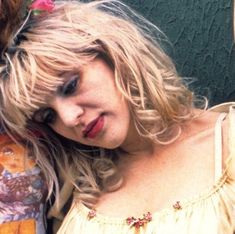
[[94, 127]]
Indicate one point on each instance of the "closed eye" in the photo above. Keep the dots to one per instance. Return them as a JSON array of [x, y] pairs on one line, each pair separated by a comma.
[[45, 115], [69, 87]]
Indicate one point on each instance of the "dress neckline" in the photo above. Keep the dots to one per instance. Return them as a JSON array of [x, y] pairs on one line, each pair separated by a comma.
[[221, 176], [184, 204]]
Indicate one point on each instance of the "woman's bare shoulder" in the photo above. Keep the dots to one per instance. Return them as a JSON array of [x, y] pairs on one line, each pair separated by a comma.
[[201, 131]]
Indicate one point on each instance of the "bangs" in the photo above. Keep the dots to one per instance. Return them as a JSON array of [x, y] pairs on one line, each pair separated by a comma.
[[34, 80]]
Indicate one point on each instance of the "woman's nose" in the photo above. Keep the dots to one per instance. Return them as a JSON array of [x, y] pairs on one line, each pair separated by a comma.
[[68, 111]]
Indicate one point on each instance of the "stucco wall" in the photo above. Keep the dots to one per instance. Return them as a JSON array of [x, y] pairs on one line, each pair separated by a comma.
[[202, 37]]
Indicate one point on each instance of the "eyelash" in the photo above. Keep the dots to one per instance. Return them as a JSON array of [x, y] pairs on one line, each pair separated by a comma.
[[46, 116], [69, 88]]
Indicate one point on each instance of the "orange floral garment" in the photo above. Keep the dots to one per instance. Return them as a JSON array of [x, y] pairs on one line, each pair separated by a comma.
[[22, 191]]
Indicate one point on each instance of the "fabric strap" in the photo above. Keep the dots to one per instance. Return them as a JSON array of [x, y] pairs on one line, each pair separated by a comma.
[[218, 146], [224, 108], [232, 129]]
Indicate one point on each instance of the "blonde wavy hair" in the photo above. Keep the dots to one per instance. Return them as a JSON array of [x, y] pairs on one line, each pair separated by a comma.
[[73, 34]]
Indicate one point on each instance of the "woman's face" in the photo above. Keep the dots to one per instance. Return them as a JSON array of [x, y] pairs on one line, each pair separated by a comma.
[[88, 108]]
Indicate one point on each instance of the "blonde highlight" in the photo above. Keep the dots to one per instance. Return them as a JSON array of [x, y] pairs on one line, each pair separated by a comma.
[[67, 39]]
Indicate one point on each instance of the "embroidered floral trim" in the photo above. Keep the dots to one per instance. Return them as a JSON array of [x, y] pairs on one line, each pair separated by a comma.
[[91, 214], [139, 222], [177, 206]]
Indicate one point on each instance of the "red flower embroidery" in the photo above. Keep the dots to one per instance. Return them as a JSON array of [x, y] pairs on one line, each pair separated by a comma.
[[42, 5], [177, 206], [148, 217], [139, 222], [131, 220], [91, 214]]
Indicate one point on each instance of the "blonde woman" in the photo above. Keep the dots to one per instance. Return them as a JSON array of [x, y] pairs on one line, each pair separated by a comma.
[[120, 122]]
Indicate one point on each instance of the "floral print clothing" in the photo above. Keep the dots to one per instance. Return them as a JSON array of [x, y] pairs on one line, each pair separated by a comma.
[[22, 191]]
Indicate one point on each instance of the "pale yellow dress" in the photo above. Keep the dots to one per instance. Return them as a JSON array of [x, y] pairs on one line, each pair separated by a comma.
[[211, 212]]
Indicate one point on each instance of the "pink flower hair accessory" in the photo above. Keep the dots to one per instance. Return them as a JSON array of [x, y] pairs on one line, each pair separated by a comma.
[[42, 5]]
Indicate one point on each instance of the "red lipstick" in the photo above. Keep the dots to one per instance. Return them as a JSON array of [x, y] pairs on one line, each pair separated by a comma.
[[94, 127]]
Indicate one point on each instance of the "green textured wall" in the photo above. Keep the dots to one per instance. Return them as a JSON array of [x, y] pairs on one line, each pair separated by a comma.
[[202, 37]]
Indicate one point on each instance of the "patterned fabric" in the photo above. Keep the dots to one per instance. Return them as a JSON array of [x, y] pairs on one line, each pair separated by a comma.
[[212, 212], [22, 191]]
